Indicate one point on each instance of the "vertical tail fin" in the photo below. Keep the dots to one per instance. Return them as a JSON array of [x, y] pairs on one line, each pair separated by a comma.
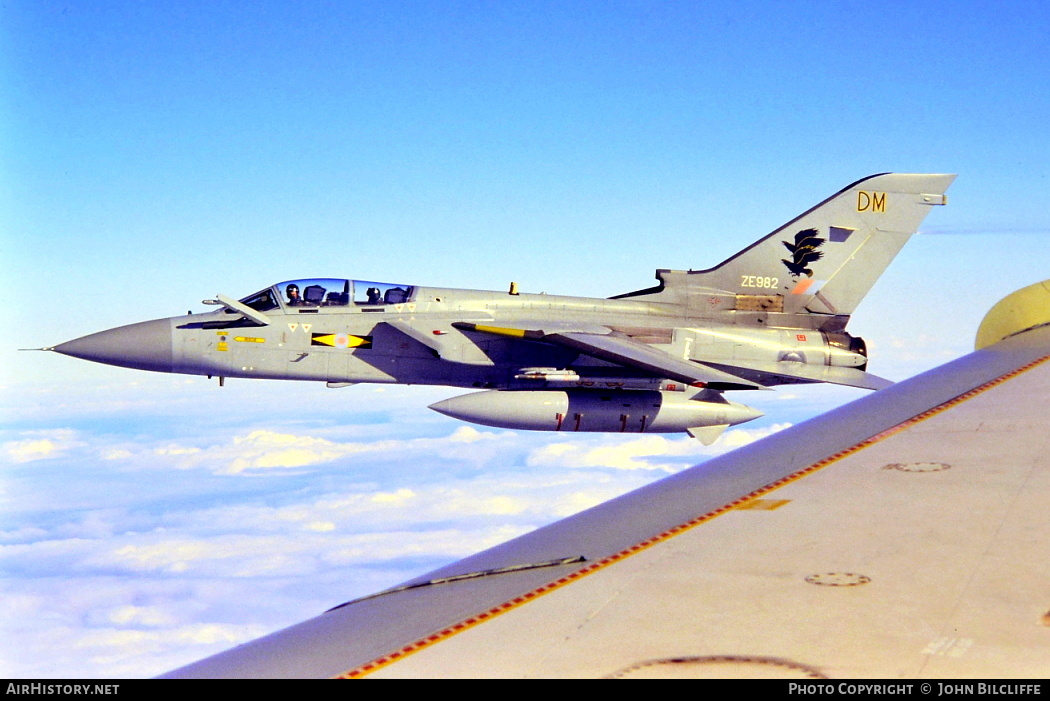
[[823, 261]]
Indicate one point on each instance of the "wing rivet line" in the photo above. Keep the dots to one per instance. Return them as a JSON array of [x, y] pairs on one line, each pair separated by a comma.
[[379, 663]]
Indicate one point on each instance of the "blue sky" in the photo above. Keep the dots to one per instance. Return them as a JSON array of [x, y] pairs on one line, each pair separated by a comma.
[[155, 154]]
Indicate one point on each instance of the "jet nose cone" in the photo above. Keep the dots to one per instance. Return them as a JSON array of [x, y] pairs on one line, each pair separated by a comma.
[[741, 413], [441, 407], [143, 346]]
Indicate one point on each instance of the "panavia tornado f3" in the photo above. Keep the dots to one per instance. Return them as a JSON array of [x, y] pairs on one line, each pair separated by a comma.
[[656, 360]]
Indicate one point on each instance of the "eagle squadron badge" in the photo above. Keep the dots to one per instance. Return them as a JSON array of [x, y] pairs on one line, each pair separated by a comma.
[[803, 252]]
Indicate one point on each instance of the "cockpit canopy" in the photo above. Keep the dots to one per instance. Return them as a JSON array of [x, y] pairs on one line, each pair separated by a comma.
[[329, 292]]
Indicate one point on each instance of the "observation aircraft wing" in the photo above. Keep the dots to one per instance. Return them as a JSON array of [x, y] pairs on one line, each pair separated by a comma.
[[902, 535]]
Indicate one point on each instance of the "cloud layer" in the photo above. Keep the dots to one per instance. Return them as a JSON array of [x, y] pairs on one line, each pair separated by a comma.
[[138, 539]]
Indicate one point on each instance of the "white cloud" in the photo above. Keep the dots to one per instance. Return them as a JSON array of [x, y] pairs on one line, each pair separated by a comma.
[[263, 450], [636, 453], [176, 450], [399, 497], [196, 560], [41, 445], [915, 353], [227, 556], [738, 437], [268, 449], [108, 627], [124, 650], [577, 501], [469, 434], [26, 533], [459, 504], [139, 615]]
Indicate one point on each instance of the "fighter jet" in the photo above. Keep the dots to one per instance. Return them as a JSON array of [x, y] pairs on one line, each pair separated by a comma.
[[655, 360]]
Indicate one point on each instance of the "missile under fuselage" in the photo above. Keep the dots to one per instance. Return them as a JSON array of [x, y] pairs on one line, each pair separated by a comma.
[[584, 410]]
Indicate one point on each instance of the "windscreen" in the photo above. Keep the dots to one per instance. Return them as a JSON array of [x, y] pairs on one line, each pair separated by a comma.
[[315, 292]]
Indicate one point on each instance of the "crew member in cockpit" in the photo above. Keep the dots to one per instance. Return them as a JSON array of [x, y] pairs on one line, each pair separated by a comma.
[[294, 300], [373, 295]]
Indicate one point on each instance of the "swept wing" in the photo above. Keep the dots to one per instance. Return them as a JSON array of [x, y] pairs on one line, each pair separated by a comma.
[[624, 351]]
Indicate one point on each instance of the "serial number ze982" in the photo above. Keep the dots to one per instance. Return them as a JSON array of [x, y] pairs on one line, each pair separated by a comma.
[[759, 281]]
